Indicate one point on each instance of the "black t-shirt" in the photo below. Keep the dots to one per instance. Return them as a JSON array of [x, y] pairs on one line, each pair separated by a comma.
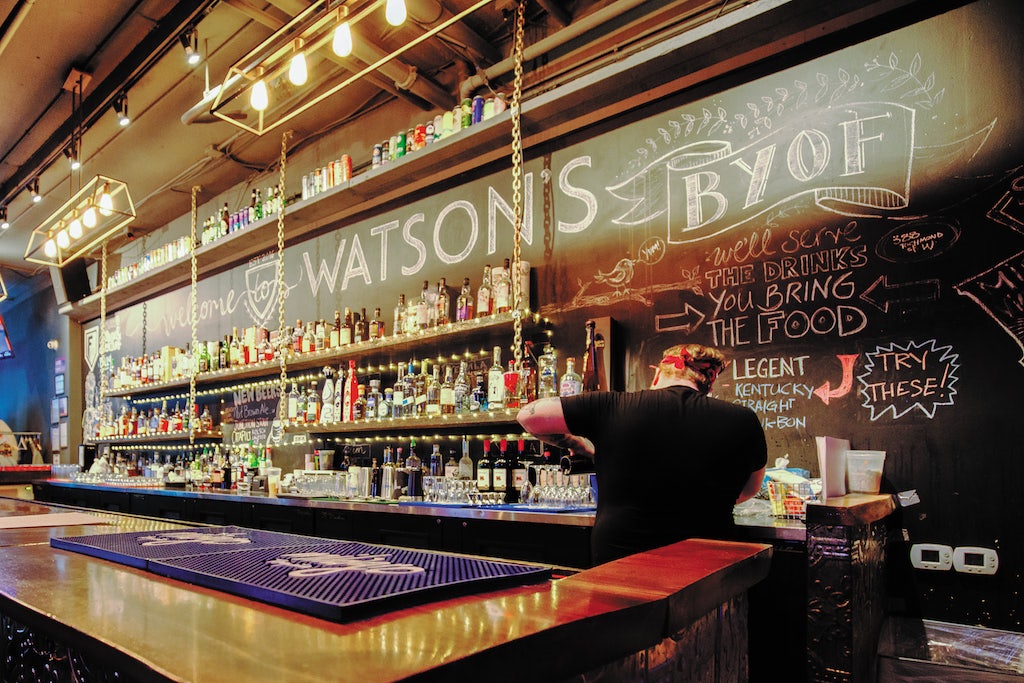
[[670, 464]]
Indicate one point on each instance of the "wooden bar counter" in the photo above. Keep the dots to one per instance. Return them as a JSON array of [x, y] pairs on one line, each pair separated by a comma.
[[678, 611]]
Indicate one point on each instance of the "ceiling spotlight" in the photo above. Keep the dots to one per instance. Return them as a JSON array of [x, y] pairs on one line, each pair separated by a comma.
[[4, 223], [121, 109], [72, 156], [190, 41], [33, 187]]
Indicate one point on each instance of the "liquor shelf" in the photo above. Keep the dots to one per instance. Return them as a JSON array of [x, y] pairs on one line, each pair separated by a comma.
[[501, 420], [431, 342], [164, 438]]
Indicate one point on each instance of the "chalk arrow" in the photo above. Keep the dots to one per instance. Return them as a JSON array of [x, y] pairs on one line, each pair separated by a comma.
[[686, 321], [825, 392], [906, 293]]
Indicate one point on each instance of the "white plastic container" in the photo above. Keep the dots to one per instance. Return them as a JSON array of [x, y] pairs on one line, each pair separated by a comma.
[[864, 471]]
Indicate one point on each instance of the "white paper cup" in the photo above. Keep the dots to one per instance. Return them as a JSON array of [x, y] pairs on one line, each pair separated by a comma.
[[864, 471]]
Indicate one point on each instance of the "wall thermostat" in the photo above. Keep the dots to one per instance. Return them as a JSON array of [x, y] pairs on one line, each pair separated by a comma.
[[975, 560], [932, 556]]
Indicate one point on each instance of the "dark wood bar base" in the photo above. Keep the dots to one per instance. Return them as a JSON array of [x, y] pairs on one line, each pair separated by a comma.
[[846, 550]]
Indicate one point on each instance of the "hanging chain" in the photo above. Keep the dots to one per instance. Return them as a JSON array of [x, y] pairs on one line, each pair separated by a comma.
[[282, 343], [103, 332], [517, 189], [145, 307], [192, 415]]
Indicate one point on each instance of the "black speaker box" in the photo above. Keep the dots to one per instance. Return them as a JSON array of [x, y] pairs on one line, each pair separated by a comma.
[[71, 283]]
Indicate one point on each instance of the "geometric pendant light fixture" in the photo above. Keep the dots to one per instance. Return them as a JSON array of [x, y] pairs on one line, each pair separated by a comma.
[[298, 66], [101, 208]]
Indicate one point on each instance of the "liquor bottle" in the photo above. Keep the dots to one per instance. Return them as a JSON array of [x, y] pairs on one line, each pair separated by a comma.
[[252, 206], [451, 468], [360, 329], [293, 404], [435, 468], [460, 390], [409, 390], [528, 376], [420, 382], [334, 339], [465, 462], [177, 420], [351, 394], [309, 340], [204, 358], [500, 484], [345, 335], [376, 325], [502, 289], [312, 405], [478, 397], [496, 382], [327, 398], [442, 304], [511, 381], [300, 407], [359, 407], [206, 420], [339, 395], [591, 370], [388, 480], [398, 393], [572, 383], [133, 422], [547, 380], [164, 423], [225, 355], [373, 400], [414, 471], [260, 213], [423, 307], [464, 302], [297, 337], [519, 474], [235, 353], [484, 301], [447, 392], [399, 321], [386, 408], [485, 470], [321, 335]]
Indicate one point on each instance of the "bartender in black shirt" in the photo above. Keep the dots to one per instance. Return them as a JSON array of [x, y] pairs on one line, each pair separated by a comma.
[[671, 460]]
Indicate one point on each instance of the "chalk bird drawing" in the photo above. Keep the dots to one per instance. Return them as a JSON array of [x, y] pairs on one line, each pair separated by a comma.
[[619, 277]]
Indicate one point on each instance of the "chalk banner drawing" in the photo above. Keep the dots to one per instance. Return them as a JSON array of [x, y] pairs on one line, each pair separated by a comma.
[[900, 378], [1000, 293]]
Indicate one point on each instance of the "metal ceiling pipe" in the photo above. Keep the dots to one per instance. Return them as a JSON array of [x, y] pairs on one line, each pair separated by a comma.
[[459, 31], [576, 29], [13, 22]]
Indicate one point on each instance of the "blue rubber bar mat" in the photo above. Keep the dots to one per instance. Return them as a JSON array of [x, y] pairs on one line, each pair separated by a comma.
[[136, 548], [343, 580]]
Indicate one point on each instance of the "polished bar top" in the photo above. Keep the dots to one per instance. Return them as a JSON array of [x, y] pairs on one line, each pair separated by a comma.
[[167, 630], [853, 509]]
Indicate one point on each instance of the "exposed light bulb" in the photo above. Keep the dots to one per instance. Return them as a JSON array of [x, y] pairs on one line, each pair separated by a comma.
[[89, 217], [258, 98], [63, 241], [342, 43], [75, 229], [297, 73], [394, 12], [106, 201], [50, 248]]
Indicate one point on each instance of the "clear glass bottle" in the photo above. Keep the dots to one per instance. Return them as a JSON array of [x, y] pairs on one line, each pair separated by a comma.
[[373, 400], [293, 404], [460, 390], [399, 321], [360, 406], [571, 383], [496, 382], [442, 304], [465, 462], [464, 302], [398, 393], [547, 378], [433, 406], [423, 307], [447, 392], [484, 300], [502, 286]]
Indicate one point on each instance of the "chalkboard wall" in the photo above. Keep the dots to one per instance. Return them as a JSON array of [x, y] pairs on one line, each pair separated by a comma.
[[849, 230]]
